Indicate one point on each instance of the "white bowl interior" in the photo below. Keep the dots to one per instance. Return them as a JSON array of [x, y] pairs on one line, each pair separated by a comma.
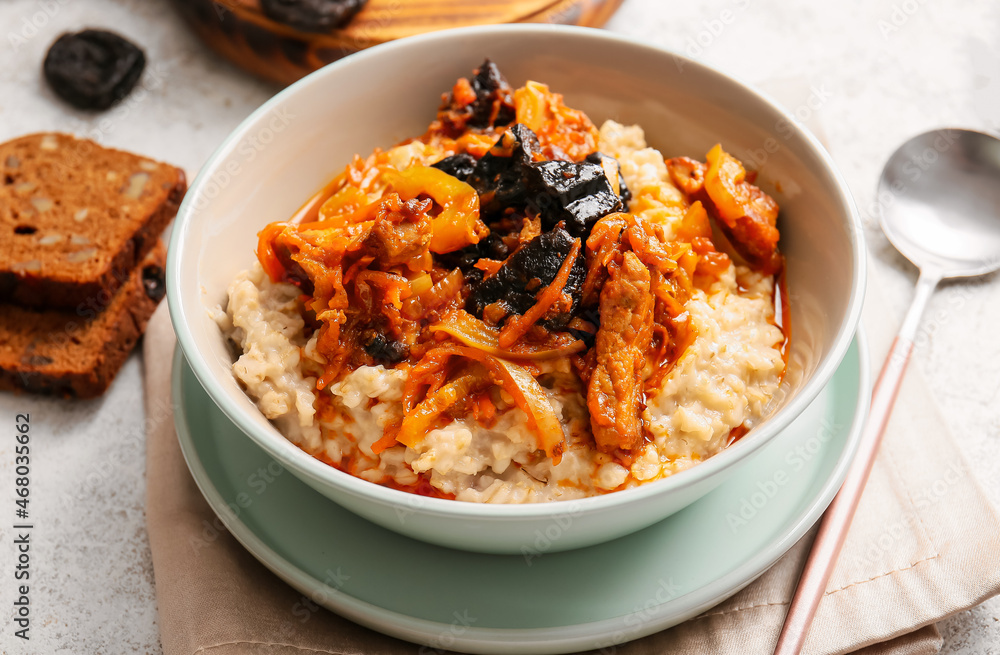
[[287, 150]]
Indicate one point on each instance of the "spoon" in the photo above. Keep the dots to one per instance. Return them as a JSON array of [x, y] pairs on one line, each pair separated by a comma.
[[939, 201]]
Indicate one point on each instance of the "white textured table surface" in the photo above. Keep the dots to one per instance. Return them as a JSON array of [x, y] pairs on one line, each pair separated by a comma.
[[881, 72]]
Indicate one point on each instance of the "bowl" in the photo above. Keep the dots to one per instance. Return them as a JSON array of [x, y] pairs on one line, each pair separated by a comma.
[[302, 137]]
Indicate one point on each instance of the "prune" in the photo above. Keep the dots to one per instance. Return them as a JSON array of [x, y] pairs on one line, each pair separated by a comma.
[[93, 69], [527, 272], [492, 247], [624, 193], [493, 104], [461, 165], [382, 349], [153, 282], [579, 194], [312, 15], [588, 338], [501, 174], [463, 259], [513, 175]]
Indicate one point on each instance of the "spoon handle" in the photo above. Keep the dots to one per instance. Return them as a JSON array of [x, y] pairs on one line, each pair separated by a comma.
[[837, 519]]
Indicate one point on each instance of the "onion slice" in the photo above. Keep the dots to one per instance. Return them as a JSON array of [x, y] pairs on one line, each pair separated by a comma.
[[513, 378], [470, 331], [418, 422]]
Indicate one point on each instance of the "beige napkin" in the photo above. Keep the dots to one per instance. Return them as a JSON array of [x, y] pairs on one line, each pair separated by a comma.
[[925, 544]]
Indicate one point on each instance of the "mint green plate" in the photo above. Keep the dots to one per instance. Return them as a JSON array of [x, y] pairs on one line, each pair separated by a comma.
[[542, 603]]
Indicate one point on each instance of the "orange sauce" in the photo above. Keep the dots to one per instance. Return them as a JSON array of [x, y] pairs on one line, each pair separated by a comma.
[[309, 212], [782, 313], [422, 487]]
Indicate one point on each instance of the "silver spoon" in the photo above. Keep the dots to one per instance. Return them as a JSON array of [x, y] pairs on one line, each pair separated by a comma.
[[939, 200]]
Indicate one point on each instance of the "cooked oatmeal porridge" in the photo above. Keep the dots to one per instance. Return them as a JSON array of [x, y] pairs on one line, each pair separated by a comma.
[[516, 306]]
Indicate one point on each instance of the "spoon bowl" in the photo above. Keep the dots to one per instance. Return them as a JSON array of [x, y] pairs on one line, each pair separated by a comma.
[[940, 202], [939, 196]]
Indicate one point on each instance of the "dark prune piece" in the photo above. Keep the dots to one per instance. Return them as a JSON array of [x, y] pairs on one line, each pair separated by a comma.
[[579, 194], [624, 193], [500, 174], [493, 247], [494, 105], [93, 69], [463, 259], [461, 165], [312, 15], [527, 272], [520, 144], [513, 174], [153, 282], [382, 349], [473, 276]]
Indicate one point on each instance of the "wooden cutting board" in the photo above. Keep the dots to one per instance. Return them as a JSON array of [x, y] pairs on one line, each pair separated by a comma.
[[239, 31]]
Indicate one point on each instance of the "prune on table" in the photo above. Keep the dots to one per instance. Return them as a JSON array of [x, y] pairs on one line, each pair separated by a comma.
[[527, 272], [93, 69], [624, 193], [312, 15], [461, 165]]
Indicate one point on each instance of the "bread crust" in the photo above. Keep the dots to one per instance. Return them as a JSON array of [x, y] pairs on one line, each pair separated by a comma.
[[77, 353], [52, 285]]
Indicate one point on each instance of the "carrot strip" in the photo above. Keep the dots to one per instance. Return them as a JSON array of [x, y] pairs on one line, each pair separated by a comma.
[[518, 326], [387, 441], [516, 379], [394, 286], [488, 266], [486, 411], [357, 267], [421, 419], [265, 251]]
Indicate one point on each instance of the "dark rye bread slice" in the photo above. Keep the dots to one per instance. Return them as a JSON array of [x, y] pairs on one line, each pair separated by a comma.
[[76, 218], [78, 352]]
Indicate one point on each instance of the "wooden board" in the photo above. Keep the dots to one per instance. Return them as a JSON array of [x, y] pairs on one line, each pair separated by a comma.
[[239, 31]]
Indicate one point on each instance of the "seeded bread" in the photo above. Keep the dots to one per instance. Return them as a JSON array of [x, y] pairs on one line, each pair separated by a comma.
[[76, 218], [78, 352]]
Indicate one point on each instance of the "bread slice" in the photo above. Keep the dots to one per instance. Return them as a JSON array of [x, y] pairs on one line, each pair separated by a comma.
[[76, 218], [78, 352]]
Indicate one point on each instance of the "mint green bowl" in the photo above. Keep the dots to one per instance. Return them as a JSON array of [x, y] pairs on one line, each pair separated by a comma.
[[296, 141]]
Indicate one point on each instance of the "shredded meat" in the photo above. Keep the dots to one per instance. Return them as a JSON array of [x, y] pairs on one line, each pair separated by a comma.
[[744, 213], [613, 396], [754, 234], [687, 174], [401, 232]]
